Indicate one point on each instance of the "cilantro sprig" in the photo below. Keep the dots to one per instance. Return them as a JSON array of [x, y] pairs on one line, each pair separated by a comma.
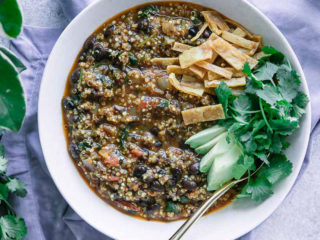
[[11, 226], [261, 119]]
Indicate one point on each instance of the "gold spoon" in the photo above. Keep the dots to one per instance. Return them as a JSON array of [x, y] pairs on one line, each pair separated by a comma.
[[206, 205]]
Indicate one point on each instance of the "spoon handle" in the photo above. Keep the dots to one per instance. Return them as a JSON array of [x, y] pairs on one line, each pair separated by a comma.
[[204, 207]]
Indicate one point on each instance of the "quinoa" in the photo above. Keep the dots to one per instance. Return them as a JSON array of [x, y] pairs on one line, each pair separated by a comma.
[[123, 119]]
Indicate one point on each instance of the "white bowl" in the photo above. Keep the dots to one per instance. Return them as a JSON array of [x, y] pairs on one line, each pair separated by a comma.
[[228, 223]]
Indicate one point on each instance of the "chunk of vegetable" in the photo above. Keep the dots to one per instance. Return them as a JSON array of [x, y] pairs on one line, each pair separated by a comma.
[[203, 149], [221, 147], [221, 169], [204, 136]]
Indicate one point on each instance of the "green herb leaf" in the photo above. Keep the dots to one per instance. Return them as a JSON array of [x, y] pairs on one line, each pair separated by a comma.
[[244, 164], [123, 137], [147, 11], [172, 207], [266, 71], [12, 228], [269, 94], [3, 161], [223, 93], [12, 101], [288, 83], [164, 103], [259, 188], [301, 100], [16, 186]]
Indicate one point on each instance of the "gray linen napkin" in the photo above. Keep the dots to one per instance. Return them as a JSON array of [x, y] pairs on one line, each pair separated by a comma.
[[47, 215]]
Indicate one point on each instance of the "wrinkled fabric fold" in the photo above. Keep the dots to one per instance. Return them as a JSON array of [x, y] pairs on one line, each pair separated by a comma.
[[47, 215]]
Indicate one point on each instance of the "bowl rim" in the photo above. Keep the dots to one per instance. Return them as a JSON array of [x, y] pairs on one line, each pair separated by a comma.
[[298, 164]]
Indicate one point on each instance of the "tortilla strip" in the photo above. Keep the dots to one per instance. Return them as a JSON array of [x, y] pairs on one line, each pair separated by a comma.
[[259, 55], [175, 69], [215, 21], [239, 26], [202, 114], [215, 69], [189, 81], [240, 41], [199, 33], [176, 84], [239, 32], [230, 54], [180, 47], [165, 61], [233, 82], [198, 71], [195, 54], [212, 76], [235, 91]]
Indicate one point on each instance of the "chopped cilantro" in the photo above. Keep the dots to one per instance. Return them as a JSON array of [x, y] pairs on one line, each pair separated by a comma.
[[148, 11], [172, 207], [123, 137], [164, 103]]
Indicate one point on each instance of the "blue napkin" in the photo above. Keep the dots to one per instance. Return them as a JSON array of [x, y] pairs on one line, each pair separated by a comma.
[[47, 215]]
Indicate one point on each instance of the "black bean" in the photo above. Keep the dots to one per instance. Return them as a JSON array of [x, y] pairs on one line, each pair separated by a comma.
[[83, 57], [89, 43], [149, 179], [154, 131], [139, 170], [194, 168], [206, 33], [109, 30], [143, 203], [68, 104], [75, 76], [74, 151], [156, 186], [158, 144], [144, 25], [193, 31], [161, 171], [99, 53], [176, 174], [152, 207], [189, 185]]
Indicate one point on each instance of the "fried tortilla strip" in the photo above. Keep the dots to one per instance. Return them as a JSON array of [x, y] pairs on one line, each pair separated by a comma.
[[176, 84], [239, 41], [175, 69], [235, 74], [195, 54], [165, 61], [202, 114], [239, 32], [199, 33], [215, 69], [239, 26], [230, 54], [213, 76], [233, 82], [259, 55], [215, 21], [198, 71], [235, 91], [191, 82], [180, 47]]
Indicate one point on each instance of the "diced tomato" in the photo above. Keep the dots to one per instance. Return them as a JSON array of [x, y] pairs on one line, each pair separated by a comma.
[[112, 178], [137, 152], [111, 160]]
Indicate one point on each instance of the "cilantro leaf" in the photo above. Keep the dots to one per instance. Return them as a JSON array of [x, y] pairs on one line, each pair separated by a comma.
[[250, 146], [284, 127], [164, 103], [301, 100], [259, 188], [12, 227], [3, 161], [244, 164], [269, 94], [278, 169], [172, 207], [288, 83], [266, 71], [262, 156], [16, 186], [223, 94], [4, 192], [274, 55], [276, 144]]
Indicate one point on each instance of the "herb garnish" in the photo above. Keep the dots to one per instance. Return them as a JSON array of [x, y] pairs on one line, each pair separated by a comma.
[[147, 11], [164, 103], [258, 123]]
